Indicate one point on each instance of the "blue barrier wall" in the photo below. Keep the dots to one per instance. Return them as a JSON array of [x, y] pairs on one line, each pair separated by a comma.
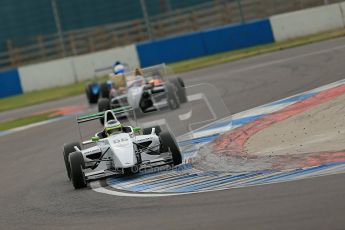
[[238, 36], [171, 49], [10, 83], [207, 42]]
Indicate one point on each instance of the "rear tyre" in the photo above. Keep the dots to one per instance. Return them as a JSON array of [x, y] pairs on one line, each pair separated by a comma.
[[169, 143], [105, 91], [103, 105], [147, 131], [181, 90], [91, 97], [67, 150], [173, 101], [77, 165]]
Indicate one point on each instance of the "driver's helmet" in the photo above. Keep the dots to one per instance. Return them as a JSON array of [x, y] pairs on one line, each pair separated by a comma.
[[118, 68], [112, 127]]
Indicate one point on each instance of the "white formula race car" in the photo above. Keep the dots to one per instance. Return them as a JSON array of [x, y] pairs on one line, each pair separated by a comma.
[[151, 92], [125, 152]]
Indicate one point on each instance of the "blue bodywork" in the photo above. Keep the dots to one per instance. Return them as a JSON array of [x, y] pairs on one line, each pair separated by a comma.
[[109, 84], [95, 88]]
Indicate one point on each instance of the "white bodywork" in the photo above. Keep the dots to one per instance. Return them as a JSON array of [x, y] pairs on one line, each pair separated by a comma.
[[134, 96], [121, 151], [135, 93]]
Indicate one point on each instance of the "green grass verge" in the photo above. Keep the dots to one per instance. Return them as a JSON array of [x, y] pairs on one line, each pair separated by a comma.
[[220, 58], [41, 96], [11, 124]]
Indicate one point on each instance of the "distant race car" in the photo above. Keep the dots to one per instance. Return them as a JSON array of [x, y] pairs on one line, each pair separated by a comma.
[[151, 93], [96, 90], [125, 151]]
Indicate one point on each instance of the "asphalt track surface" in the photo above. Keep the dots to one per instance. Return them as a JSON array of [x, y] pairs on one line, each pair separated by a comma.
[[35, 193]]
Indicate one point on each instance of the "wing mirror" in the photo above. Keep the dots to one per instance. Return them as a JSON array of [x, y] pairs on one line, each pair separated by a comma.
[[95, 138], [136, 129]]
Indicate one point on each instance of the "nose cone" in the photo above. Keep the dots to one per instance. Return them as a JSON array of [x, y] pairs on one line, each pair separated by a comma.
[[121, 146]]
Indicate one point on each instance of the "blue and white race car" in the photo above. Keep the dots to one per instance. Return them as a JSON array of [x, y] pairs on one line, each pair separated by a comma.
[[95, 90]]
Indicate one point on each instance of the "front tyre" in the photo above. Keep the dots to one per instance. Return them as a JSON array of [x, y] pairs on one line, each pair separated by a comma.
[[169, 143], [77, 174], [67, 150]]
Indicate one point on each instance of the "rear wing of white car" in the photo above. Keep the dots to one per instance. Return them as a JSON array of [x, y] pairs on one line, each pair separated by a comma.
[[99, 115]]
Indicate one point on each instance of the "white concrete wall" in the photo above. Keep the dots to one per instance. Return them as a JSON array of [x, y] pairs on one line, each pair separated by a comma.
[[342, 8], [69, 70], [307, 22], [86, 65], [46, 75]]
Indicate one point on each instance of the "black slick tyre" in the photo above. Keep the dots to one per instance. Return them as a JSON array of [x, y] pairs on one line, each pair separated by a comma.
[[168, 142], [77, 174], [67, 150]]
